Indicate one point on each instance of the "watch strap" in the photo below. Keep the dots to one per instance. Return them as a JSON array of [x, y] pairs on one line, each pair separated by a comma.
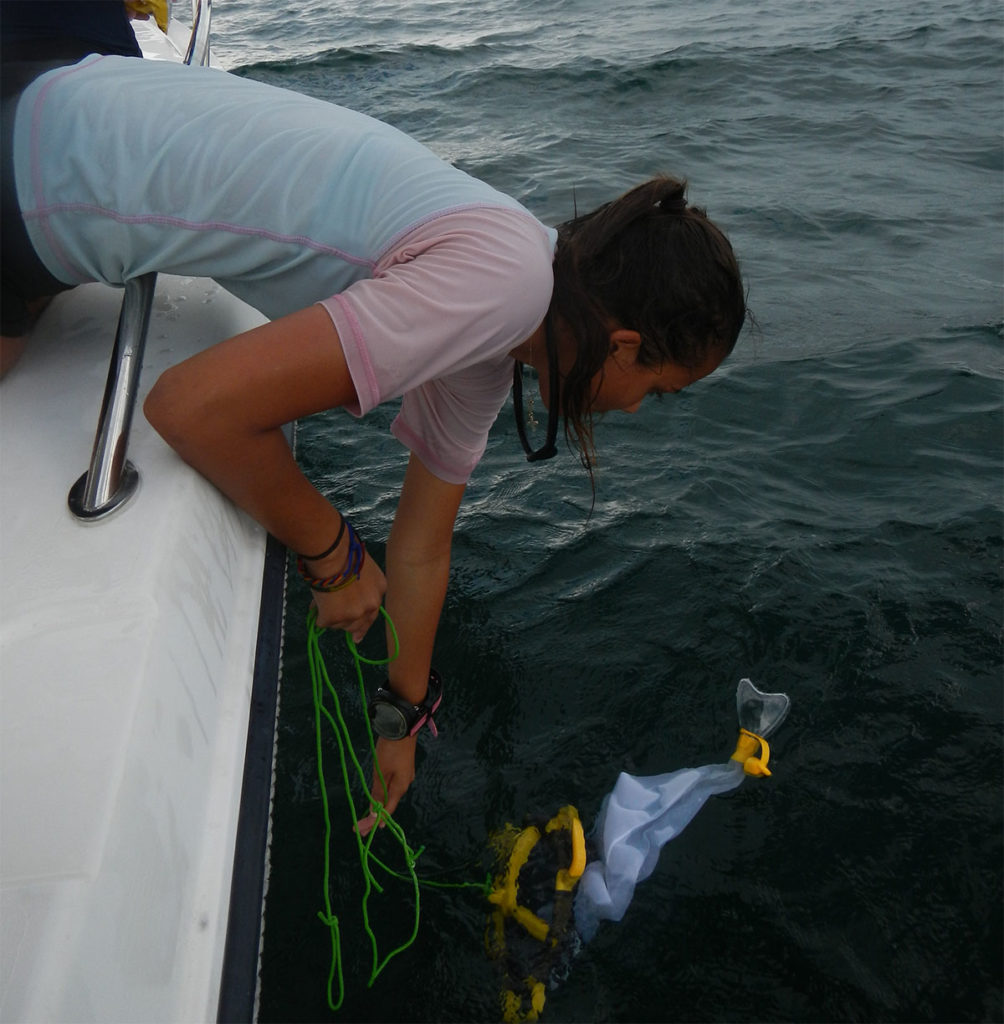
[[415, 715]]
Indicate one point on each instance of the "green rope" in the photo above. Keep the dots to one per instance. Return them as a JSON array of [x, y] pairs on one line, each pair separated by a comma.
[[322, 686]]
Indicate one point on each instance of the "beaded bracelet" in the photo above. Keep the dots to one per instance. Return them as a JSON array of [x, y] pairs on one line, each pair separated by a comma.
[[349, 574]]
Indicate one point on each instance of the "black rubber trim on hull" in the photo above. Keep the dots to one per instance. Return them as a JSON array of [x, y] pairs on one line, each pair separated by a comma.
[[238, 985]]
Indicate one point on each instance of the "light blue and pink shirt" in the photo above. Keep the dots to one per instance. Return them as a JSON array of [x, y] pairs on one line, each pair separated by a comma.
[[430, 276]]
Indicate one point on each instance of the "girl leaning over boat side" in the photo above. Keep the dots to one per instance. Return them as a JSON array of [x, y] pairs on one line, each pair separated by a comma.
[[385, 273]]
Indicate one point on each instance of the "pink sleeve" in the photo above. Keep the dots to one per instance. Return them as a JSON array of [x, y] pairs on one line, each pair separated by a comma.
[[436, 323]]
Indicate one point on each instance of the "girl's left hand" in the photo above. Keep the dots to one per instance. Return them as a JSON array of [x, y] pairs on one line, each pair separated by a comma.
[[355, 607]]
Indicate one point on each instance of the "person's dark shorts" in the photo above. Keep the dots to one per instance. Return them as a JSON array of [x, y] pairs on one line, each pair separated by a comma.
[[23, 276]]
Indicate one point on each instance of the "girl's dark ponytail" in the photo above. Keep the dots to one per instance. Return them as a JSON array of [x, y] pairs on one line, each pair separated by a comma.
[[647, 262]]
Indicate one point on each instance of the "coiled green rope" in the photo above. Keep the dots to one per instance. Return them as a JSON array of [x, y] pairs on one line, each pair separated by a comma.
[[322, 689]]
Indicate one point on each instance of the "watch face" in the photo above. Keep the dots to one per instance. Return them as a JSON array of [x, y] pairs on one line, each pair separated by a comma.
[[387, 720]]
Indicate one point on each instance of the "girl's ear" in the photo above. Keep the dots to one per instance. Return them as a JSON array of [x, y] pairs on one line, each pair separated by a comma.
[[624, 345]]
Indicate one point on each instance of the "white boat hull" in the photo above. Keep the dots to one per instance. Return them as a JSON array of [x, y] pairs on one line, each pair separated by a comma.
[[126, 657]]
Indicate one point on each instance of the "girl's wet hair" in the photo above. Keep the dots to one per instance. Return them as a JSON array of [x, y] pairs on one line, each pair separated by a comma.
[[651, 263]]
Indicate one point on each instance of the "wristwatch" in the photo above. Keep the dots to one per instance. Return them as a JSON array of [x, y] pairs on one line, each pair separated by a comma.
[[394, 718]]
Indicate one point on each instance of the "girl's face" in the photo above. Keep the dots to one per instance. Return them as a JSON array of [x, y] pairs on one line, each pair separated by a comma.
[[622, 384]]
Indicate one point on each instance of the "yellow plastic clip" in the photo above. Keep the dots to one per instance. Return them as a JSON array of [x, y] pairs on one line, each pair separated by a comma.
[[513, 1011], [746, 753], [568, 817], [504, 895]]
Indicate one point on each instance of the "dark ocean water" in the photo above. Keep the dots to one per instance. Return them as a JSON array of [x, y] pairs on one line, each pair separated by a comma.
[[824, 515]]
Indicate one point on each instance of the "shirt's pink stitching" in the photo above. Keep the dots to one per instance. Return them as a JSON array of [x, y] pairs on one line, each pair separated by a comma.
[[190, 225], [360, 348], [450, 473], [390, 248], [36, 168]]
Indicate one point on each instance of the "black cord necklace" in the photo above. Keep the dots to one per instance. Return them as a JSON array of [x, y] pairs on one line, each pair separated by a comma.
[[548, 449]]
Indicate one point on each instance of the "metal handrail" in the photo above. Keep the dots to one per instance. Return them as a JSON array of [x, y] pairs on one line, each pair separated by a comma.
[[198, 44], [111, 479]]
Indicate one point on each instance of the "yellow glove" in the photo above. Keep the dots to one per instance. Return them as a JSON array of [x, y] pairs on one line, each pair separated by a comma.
[[144, 8]]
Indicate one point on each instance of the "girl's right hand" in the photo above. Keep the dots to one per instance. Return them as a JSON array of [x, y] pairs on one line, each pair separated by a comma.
[[355, 607]]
